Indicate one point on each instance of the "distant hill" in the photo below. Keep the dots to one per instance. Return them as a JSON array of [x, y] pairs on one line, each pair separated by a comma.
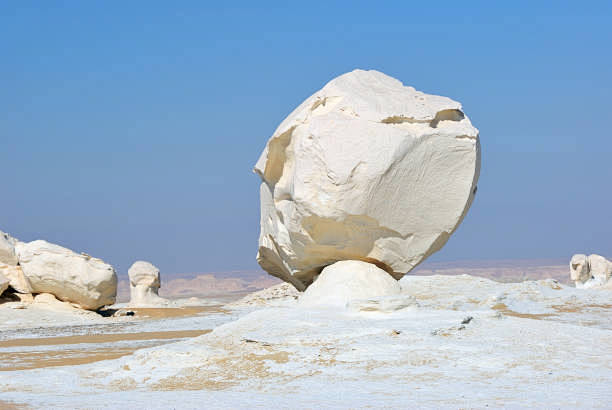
[[501, 270], [223, 283], [205, 284]]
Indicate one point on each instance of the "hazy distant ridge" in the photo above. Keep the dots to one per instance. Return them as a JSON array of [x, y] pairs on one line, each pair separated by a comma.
[[216, 283]]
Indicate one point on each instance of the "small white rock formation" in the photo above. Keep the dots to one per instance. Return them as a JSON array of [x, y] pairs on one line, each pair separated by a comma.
[[144, 285], [364, 169], [80, 279], [346, 281], [9, 264], [590, 271]]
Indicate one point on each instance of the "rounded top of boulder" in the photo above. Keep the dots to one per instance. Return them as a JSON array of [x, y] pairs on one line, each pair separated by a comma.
[[366, 169], [374, 97], [144, 273]]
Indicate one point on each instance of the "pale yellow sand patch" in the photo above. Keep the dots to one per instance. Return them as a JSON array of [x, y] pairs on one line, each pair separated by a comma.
[[164, 313], [70, 357], [501, 307], [7, 405]]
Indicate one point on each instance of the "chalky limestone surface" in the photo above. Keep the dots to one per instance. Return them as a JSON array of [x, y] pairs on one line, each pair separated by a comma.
[[443, 342], [366, 169]]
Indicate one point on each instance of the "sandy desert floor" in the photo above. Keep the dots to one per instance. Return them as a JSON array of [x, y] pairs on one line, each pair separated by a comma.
[[445, 342], [76, 345]]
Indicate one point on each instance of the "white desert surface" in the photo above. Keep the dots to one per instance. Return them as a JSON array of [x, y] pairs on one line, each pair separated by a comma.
[[446, 341]]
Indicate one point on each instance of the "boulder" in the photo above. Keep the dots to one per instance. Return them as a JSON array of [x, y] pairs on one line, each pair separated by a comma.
[[4, 283], [579, 269], [9, 264], [347, 281], [601, 268], [144, 285], [16, 277], [364, 169], [7, 250], [78, 278], [590, 271]]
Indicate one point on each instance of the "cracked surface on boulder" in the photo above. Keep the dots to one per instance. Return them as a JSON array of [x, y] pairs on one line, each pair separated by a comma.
[[364, 169]]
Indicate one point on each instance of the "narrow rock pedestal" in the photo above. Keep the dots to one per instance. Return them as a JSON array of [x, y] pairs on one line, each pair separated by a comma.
[[144, 285], [345, 281]]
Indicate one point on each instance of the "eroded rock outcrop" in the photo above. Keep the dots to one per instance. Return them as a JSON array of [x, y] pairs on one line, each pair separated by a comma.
[[364, 169], [16, 277], [590, 271], [4, 283], [144, 285], [346, 281], [7, 249], [77, 278], [9, 264]]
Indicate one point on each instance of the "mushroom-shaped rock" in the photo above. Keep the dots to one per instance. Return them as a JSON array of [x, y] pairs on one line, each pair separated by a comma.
[[367, 169], [144, 285], [590, 271], [344, 281], [70, 277]]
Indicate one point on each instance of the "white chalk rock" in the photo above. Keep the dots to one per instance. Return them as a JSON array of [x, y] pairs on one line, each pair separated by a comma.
[[7, 250], [17, 279], [591, 271], [601, 268], [144, 285], [80, 279], [4, 283], [366, 168], [346, 281], [9, 264]]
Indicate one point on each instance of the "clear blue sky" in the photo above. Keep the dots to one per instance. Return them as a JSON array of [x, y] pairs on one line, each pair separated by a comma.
[[129, 130]]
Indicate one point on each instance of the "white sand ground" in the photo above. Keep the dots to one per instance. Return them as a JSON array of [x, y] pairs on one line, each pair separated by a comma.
[[445, 342]]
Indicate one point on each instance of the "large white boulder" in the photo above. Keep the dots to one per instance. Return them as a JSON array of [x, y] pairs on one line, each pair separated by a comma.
[[366, 168], [144, 285], [346, 281], [71, 277], [590, 271]]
